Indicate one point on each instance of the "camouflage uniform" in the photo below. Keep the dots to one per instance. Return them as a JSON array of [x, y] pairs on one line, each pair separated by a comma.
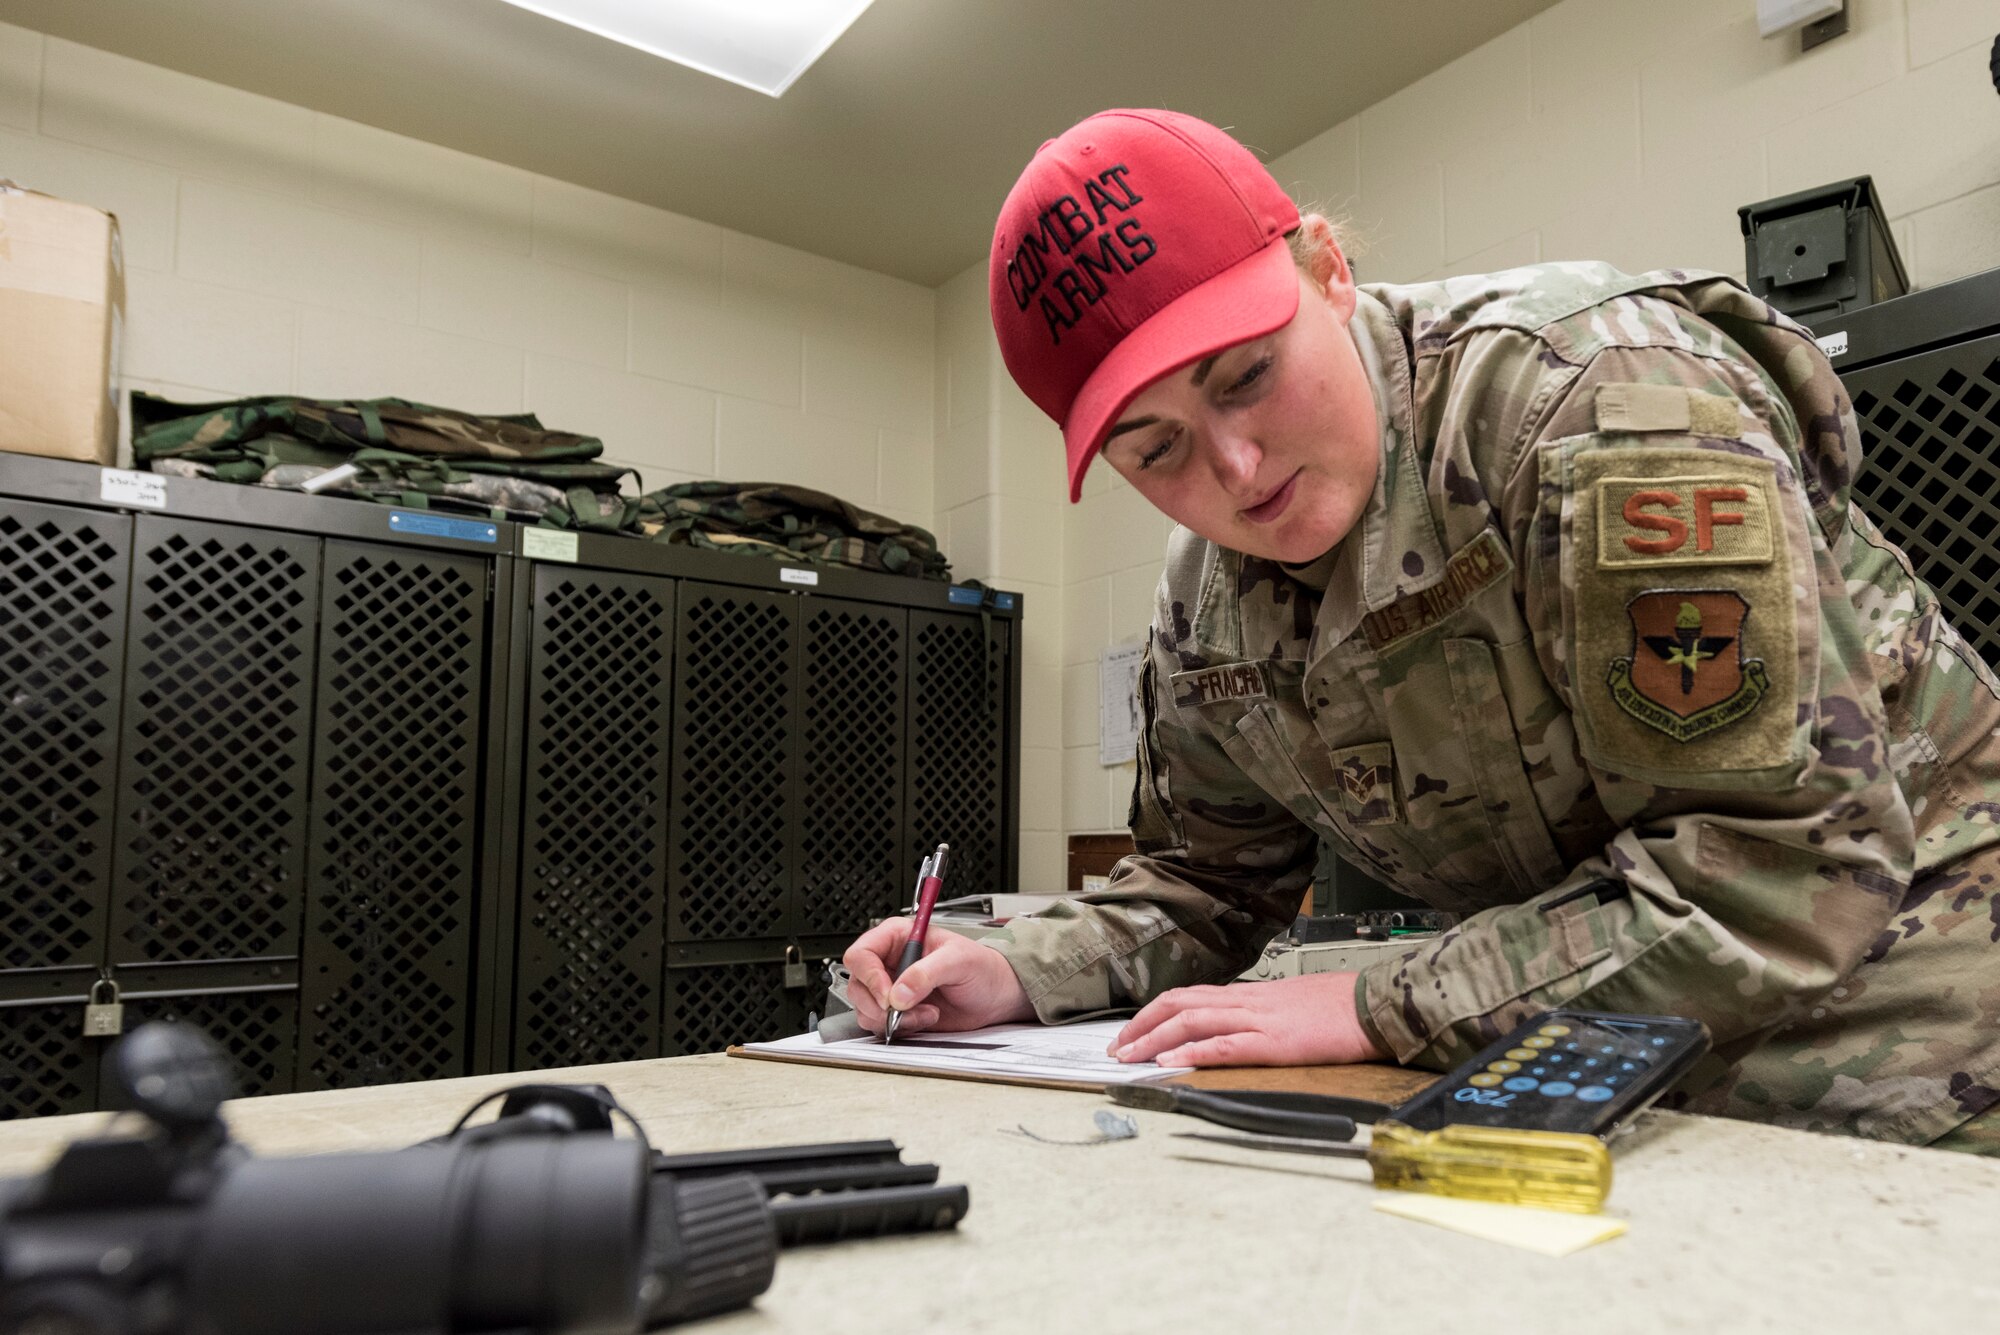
[[1611, 666], [407, 454], [787, 522]]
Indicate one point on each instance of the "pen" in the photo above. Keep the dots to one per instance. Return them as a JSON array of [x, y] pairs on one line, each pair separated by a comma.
[[930, 879]]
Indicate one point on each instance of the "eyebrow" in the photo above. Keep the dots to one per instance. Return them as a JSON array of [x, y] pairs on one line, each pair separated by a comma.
[[1201, 371]]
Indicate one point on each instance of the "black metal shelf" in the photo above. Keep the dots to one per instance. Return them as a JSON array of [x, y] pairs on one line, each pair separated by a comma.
[[377, 798]]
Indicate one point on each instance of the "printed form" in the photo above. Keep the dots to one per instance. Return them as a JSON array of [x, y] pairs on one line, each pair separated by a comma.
[[1071, 1052]]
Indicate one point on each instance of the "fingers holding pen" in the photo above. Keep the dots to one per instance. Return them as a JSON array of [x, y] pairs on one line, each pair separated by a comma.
[[868, 961], [939, 967]]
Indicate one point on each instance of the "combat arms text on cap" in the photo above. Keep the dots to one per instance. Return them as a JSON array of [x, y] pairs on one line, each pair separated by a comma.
[[1134, 243]]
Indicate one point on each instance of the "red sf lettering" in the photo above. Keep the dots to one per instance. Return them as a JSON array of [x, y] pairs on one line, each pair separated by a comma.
[[1676, 529], [1706, 516]]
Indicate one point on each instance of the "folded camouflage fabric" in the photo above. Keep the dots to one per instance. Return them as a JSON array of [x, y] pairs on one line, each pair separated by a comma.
[[491, 497], [789, 523], [407, 454]]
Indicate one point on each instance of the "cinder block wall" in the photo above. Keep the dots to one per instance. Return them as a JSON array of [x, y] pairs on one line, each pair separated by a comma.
[[998, 499], [1630, 131], [1623, 130], [272, 249], [276, 249]]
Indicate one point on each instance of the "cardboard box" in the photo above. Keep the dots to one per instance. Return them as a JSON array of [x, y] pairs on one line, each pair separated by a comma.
[[62, 313]]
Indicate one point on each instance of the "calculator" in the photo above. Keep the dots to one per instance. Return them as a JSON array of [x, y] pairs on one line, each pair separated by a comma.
[[1576, 1071]]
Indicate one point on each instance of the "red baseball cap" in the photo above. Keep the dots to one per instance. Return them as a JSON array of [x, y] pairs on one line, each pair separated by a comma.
[[1135, 243]]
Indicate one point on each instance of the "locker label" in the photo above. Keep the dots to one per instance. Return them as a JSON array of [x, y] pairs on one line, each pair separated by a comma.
[[548, 544], [123, 487], [442, 526]]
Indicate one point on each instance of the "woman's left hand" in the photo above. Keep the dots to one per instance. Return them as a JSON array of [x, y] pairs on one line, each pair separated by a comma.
[[1303, 1021]]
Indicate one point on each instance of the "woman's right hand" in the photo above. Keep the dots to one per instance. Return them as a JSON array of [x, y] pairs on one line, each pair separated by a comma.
[[958, 984]]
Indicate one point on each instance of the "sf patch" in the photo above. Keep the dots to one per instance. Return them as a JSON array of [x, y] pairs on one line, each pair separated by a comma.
[[1678, 581], [1687, 673], [1714, 518]]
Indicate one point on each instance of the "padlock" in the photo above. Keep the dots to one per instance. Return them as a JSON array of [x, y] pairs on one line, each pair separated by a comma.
[[104, 1013], [795, 967]]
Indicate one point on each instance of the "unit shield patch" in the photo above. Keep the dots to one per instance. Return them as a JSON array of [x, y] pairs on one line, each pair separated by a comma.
[[1687, 674]]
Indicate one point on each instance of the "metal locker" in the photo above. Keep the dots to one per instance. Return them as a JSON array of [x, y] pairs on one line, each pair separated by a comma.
[[63, 576], [386, 990], [961, 725], [214, 764], [593, 832]]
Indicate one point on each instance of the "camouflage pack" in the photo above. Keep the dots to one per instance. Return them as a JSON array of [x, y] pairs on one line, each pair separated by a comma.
[[407, 454], [789, 523]]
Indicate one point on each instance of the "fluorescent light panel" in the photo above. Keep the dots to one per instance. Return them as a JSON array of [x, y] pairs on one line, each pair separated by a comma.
[[761, 44]]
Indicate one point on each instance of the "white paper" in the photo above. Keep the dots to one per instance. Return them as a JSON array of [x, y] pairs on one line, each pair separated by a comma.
[[1776, 16], [1834, 344], [1550, 1232], [1118, 719], [794, 575], [1070, 1052], [548, 544], [120, 486]]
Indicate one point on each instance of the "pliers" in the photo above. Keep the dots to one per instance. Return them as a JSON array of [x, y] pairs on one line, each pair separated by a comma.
[[1265, 1112]]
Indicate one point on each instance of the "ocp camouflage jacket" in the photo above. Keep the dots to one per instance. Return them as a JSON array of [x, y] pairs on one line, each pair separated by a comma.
[[1611, 666]]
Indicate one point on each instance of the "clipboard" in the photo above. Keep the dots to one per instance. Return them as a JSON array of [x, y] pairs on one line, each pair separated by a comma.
[[1366, 1080], [982, 1078]]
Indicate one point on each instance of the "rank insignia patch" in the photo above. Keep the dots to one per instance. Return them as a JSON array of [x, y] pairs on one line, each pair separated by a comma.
[[1687, 675], [1367, 779]]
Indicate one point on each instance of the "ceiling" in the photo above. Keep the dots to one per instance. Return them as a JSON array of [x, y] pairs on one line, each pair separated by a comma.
[[893, 152]]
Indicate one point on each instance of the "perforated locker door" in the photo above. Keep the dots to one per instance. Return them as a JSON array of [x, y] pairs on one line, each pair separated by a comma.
[[1930, 474], [217, 736], [258, 1029], [593, 835], [854, 678], [710, 1006], [733, 823], [213, 766], [46, 1065], [62, 637], [959, 730], [386, 985]]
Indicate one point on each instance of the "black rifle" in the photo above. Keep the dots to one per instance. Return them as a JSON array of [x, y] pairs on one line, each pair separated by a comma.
[[540, 1220]]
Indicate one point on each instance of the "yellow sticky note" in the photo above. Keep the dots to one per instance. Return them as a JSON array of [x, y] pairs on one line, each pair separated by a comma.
[[1550, 1232]]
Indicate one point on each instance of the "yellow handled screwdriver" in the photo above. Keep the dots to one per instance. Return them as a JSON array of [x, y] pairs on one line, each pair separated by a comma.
[[1552, 1170]]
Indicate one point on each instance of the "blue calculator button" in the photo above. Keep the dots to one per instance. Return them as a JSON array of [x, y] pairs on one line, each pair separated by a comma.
[[1520, 1084], [1590, 1061], [1607, 1051], [1538, 1070], [1607, 1079], [1628, 1066], [1593, 1093], [1555, 1089], [1659, 1042]]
